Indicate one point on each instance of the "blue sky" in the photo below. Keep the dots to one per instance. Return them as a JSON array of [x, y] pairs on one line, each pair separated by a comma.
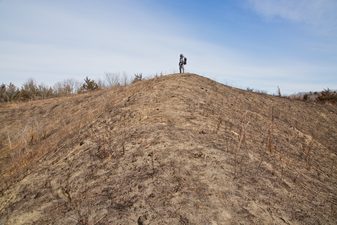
[[259, 44]]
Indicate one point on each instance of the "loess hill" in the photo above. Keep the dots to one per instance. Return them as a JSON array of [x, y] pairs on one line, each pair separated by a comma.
[[177, 149]]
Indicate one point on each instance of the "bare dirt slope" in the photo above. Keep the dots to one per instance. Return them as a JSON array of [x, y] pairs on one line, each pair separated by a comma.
[[177, 149]]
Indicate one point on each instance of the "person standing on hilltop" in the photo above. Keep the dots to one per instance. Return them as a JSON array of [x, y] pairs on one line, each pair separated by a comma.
[[182, 62]]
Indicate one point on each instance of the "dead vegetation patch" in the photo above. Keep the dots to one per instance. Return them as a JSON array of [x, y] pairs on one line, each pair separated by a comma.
[[177, 149]]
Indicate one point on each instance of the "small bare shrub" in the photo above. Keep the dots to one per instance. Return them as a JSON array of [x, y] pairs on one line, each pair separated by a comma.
[[113, 79], [279, 91], [125, 79], [138, 77], [66, 87]]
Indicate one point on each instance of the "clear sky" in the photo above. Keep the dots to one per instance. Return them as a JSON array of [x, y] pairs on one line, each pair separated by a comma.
[[259, 44]]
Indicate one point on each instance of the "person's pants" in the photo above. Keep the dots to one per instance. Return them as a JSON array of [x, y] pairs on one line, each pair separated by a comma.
[[181, 68]]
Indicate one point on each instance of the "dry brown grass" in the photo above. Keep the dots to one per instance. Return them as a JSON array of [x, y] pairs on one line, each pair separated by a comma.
[[33, 129], [167, 150]]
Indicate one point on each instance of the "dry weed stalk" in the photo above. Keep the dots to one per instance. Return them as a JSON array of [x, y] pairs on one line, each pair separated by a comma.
[[208, 105], [124, 137], [332, 166], [24, 134], [219, 121], [9, 138], [228, 128], [243, 131], [271, 133], [242, 119], [307, 156]]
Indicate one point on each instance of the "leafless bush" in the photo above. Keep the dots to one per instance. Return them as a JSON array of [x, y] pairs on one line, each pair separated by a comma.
[[113, 79], [125, 79], [66, 87]]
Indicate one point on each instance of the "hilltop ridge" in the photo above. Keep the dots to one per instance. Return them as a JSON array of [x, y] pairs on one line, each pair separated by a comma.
[[176, 149]]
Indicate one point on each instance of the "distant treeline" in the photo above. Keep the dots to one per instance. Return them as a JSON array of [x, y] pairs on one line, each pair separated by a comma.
[[326, 96], [30, 90]]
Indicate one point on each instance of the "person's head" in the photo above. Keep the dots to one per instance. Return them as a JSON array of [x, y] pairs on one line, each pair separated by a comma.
[[181, 55]]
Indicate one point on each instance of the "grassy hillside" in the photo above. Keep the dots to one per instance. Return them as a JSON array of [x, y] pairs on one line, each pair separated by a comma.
[[177, 149]]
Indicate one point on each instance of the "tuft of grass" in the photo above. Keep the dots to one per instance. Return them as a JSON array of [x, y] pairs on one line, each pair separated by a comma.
[[261, 92]]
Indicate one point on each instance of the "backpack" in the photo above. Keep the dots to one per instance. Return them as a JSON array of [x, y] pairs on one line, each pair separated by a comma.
[[185, 61]]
